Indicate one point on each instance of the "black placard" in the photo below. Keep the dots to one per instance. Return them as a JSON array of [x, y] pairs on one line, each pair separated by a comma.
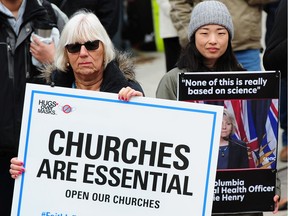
[[252, 98], [244, 190], [225, 86]]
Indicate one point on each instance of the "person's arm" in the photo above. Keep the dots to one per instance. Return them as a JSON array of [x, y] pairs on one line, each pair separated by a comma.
[[167, 87], [62, 18], [108, 13], [275, 55], [180, 15], [276, 198]]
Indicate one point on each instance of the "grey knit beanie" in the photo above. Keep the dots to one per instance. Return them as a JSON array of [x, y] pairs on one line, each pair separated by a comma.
[[210, 12]]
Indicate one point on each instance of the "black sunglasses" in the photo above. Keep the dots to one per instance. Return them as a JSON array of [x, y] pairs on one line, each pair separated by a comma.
[[76, 47]]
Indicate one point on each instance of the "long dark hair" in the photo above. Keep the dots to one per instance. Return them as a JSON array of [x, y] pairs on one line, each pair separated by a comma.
[[191, 59]]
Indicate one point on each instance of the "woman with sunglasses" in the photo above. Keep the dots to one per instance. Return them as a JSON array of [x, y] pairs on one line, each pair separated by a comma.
[[85, 59]]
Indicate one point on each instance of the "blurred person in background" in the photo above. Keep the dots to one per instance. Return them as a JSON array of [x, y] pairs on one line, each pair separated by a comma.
[[169, 35], [275, 58], [106, 11]]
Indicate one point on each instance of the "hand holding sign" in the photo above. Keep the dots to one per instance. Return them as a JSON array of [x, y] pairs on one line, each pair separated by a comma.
[[93, 166]]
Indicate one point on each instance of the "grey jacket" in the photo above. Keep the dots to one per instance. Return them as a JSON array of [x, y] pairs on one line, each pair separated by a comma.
[[167, 87]]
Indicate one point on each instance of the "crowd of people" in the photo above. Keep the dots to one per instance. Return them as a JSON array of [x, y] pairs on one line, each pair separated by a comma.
[[203, 36]]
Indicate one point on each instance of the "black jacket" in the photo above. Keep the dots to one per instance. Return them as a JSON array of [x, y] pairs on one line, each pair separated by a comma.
[[113, 81], [118, 73], [238, 154], [16, 71], [108, 11], [275, 56]]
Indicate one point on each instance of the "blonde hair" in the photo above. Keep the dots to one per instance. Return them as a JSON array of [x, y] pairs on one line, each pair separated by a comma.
[[83, 26], [230, 118]]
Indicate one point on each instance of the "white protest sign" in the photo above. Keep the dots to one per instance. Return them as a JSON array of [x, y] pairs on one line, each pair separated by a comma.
[[87, 153]]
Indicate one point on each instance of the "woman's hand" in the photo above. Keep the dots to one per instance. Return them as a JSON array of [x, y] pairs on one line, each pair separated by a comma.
[[16, 168], [43, 52], [276, 201], [127, 93]]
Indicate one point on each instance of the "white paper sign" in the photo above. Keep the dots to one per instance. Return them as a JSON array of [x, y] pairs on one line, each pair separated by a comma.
[[88, 153]]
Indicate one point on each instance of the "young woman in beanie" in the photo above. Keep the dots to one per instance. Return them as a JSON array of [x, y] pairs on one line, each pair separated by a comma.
[[210, 32]]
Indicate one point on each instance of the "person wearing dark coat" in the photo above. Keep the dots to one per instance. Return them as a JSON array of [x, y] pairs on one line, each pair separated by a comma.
[[275, 58], [17, 23], [107, 11], [118, 73]]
